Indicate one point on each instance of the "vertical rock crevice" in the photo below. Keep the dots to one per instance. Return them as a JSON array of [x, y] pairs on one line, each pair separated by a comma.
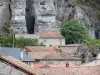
[[30, 19]]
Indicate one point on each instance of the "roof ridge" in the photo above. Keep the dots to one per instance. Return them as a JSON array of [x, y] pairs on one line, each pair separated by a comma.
[[12, 61]]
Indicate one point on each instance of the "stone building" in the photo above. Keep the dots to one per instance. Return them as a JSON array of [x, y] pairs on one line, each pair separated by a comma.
[[50, 55], [18, 21], [51, 39], [54, 58], [46, 38], [12, 66]]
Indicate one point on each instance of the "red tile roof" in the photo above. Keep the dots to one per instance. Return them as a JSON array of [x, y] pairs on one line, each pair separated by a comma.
[[50, 35], [38, 55], [40, 49], [18, 64], [53, 65], [57, 56], [69, 71], [52, 56]]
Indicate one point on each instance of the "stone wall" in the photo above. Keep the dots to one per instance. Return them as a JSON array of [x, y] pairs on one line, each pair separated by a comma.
[[52, 42], [7, 69], [75, 62]]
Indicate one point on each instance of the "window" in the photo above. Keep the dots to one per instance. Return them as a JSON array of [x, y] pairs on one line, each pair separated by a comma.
[[50, 45]]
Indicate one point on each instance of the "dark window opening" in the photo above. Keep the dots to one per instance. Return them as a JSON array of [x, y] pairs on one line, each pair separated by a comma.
[[50, 45]]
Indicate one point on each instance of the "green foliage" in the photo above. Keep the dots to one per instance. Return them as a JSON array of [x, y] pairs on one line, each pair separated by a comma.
[[93, 44], [94, 4], [10, 40], [22, 42], [6, 40], [7, 29], [74, 31]]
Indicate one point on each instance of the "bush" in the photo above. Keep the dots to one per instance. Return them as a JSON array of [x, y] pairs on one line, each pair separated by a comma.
[[74, 31], [10, 41], [93, 44]]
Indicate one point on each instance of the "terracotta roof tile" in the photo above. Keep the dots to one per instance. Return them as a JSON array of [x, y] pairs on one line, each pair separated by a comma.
[[69, 71], [52, 56], [60, 56], [50, 35], [17, 63], [40, 49], [38, 55], [53, 65]]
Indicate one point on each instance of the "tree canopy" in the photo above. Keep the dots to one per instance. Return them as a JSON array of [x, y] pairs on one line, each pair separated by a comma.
[[74, 31], [11, 41], [7, 39]]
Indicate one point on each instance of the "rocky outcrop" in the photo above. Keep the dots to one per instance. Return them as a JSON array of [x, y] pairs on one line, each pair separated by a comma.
[[18, 21], [4, 13], [49, 14], [46, 15]]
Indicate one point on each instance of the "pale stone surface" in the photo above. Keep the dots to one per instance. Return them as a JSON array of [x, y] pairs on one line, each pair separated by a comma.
[[6, 69], [45, 13], [18, 21], [80, 14], [52, 42], [4, 13]]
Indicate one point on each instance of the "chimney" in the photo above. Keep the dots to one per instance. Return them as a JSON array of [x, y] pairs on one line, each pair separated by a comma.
[[67, 64], [22, 54]]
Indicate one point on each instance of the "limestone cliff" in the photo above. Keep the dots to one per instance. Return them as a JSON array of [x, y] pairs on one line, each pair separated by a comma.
[[47, 15], [18, 21], [4, 13]]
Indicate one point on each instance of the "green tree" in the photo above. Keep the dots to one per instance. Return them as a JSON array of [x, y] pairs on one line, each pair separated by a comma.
[[22, 42], [74, 31], [7, 41]]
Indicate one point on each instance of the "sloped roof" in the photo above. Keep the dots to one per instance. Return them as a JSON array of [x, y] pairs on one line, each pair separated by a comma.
[[15, 52], [52, 56], [50, 35], [69, 71], [18, 64], [53, 65], [61, 56], [40, 49], [38, 55]]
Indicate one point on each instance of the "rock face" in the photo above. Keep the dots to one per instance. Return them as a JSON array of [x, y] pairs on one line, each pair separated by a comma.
[[4, 13], [45, 15], [18, 21]]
